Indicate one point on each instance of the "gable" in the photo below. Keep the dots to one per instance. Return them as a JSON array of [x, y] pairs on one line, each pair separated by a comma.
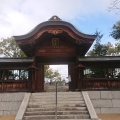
[[55, 28], [55, 46]]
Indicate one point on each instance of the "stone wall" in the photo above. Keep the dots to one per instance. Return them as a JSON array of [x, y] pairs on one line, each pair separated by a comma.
[[10, 103], [105, 101]]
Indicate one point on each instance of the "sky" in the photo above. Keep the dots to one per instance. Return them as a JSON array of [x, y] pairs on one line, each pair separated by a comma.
[[18, 17]]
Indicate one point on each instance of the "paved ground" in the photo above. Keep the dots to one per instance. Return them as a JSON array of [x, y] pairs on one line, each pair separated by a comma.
[[7, 117], [102, 116], [52, 88], [109, 116]]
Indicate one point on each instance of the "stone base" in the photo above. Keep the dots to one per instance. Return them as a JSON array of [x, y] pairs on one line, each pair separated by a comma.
[[105, 101], [10, 103]]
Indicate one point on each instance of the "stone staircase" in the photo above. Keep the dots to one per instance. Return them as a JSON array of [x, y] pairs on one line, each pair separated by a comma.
[[42, 106]]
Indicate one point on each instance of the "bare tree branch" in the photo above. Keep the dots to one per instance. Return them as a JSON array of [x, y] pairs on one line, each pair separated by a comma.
[[114, 6]]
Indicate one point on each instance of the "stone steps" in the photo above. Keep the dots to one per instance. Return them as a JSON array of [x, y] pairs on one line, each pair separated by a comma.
[[53, 95], [59, 109], [59, 98], [62, 105], [60, 102], [42, 106], [41, 117], [60, 93], [58, 112]]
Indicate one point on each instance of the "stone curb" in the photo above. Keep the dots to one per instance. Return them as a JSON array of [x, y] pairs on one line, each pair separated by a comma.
[[90, 107]]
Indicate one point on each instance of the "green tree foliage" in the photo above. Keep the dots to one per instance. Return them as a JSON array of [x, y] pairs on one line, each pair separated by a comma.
[[113, 50], [117, 47], [110, 49], [107, 49], [50, 74], [98, 49], [116, 31], [103, 50], [9, 48]]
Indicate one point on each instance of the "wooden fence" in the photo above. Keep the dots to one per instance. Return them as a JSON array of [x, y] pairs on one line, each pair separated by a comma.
[[101, 84], [13, 85]]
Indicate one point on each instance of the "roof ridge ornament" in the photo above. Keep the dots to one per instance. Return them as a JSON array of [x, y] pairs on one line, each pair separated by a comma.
[[54, 18]]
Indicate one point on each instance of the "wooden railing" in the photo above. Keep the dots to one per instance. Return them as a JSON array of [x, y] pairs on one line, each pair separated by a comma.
[[13, 85], [101, 84]]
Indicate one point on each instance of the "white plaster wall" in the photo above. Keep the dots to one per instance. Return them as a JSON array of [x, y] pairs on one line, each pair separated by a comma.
[[105, 101], [10, 103]]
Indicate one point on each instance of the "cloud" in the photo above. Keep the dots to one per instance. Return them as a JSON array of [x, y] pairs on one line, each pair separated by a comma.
[[20, 16], [63, 69]]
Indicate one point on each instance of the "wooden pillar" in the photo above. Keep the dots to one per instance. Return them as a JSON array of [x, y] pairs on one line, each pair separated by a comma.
[[77, 80], [40, 78], [36, 79], [80, 73], [31, 82], [71, 72], [80, 79]]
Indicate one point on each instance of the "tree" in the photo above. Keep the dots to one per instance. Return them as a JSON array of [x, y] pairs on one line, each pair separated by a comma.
[[98, 49], [116, 34], [50, 74], [117, 49], [116, 31], [9, 48], [103, 50], [114, 6], [111, 51]]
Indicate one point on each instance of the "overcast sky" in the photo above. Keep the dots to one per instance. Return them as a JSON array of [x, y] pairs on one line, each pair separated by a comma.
[[18, 17]]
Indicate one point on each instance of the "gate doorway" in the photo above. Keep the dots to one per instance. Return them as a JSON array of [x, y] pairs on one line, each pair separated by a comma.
[[53, 74], [55, 42]]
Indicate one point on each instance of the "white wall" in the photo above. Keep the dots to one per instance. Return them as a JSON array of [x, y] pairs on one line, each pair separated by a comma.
[[105, 101]]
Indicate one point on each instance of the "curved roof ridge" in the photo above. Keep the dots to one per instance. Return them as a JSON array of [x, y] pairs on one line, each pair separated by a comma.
[[51, 22]]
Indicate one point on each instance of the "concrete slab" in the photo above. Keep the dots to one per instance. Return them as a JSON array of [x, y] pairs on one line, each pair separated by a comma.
[[116, 103], [110, 110], [116, 94], [94, 94], [102, 103], [106, 95]]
